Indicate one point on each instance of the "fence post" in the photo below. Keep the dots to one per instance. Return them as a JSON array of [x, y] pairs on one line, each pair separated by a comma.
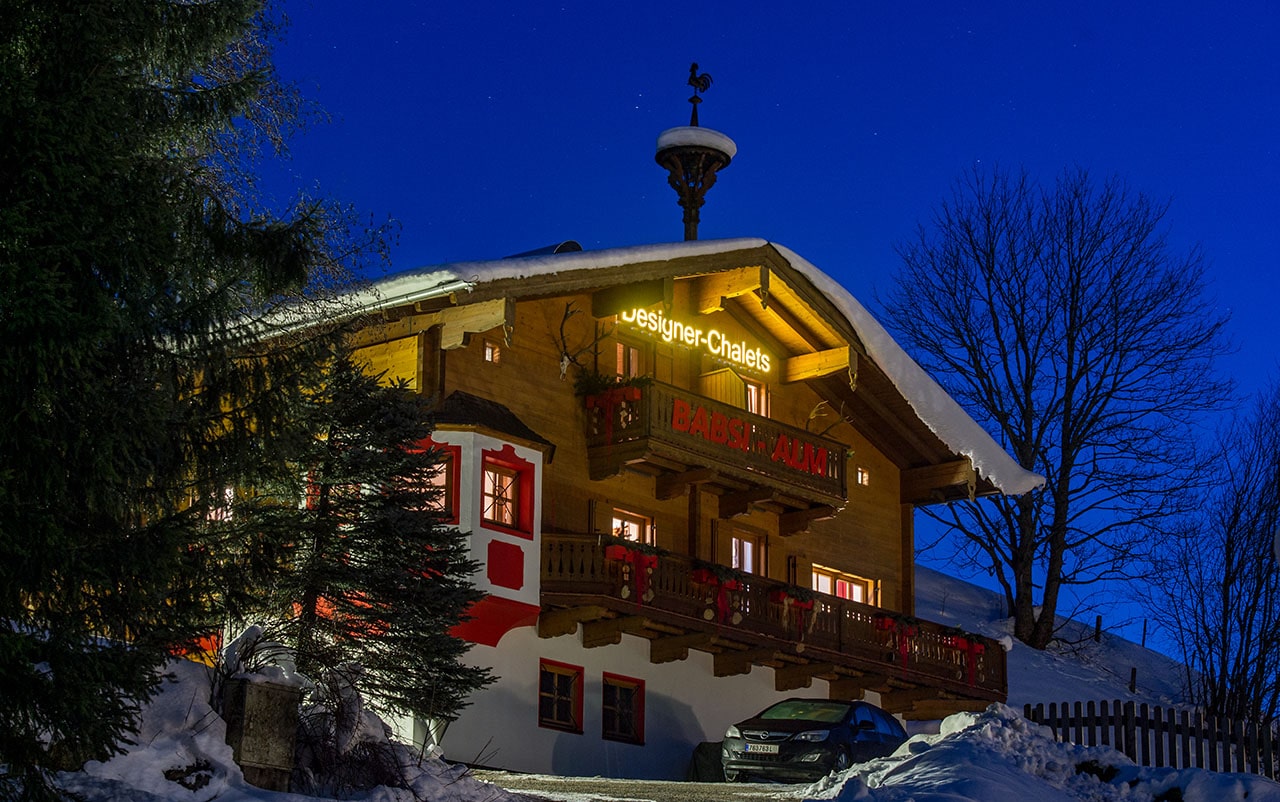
[[1093, 723], [1129, 736], [1105, 721], [1157, 724], [1141, 727], [1079, 722], [1211, 724]]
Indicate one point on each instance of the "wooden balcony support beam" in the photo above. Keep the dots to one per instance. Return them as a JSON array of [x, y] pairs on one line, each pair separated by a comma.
[[934, 709], [728, 664], [666, 650], [901, 700], [790, 678], [674, 485], [554, 623], [791, 523], [608, 631], [732, 505], [854, 688]]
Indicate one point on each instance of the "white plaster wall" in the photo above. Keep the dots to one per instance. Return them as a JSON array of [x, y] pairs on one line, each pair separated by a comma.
[[470, 466], [685, 704]]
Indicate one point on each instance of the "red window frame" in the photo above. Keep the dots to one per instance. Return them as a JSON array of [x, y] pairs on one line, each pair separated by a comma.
[[507, 462], [617, 733], [551, 700], [451, 459]]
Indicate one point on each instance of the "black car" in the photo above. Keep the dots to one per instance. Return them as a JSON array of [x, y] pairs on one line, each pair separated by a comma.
[[805, 739]]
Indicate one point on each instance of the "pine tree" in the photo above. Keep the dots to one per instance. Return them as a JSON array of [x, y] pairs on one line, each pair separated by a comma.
[[133, 262], [375, 580]]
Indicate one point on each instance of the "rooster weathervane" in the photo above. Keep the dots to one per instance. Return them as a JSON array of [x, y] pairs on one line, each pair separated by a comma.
[[700, 83]]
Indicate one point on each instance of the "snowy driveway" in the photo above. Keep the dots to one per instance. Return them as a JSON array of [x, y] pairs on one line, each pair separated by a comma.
[[599, 789]]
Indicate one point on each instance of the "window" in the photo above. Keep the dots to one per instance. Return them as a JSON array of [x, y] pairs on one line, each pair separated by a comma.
[[746, 552], [506, 491], [622, 709], [492, 352], [444, 479], [501, 495], [630, 362], [757, 399], [845, 586], [864, 476], [559, 696], [630, 526]]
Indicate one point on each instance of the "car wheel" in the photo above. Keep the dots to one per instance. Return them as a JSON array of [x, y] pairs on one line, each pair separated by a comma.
[[731, 776], [842, 761]]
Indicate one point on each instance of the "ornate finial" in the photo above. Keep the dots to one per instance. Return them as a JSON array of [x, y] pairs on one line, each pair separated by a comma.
[[700, 83]]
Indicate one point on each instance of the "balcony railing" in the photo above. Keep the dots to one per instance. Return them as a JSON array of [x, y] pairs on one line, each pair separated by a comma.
[[629, 423], [676, 590]]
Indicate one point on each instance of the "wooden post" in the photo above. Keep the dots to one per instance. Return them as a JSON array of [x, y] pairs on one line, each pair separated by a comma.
[[262, 727]]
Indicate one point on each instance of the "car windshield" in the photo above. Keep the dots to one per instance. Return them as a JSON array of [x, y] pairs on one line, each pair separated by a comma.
[[808, 710]]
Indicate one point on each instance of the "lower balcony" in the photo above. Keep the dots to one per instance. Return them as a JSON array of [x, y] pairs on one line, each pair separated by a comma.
[[921, 669]]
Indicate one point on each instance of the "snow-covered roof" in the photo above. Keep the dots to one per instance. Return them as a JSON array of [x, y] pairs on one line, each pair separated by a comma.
[[934, 406]]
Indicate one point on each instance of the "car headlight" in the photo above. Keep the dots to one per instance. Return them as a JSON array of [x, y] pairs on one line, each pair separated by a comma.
[[732, 732], [813, 736]]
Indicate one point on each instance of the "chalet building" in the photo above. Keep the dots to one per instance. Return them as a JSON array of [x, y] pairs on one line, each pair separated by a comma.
[[688, 472]]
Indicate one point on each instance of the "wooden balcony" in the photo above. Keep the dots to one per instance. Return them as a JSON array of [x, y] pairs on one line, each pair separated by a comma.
[[920, 669], [682, 438]]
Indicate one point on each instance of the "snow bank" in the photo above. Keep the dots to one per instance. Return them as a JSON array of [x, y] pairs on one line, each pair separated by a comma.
[[180, 755], [998, 756]]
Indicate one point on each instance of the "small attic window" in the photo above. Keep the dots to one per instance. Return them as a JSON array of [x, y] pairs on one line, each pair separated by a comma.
[[492, 352], [864, 476]]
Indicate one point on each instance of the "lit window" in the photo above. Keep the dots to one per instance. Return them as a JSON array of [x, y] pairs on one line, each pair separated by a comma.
[[501, 495], [864, 476], [506, 491], [629, 363], [630, 526], [746, 553], [492, 352], [559, 696], [622, 709], [757, 400], [844, 586], [444, 481], [220, 505]]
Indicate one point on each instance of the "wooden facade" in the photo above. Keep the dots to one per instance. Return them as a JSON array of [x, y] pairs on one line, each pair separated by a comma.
[[713, 403]]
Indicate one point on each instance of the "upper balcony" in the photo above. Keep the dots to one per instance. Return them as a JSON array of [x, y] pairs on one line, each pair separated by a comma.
[[920, 669], [682, 438]]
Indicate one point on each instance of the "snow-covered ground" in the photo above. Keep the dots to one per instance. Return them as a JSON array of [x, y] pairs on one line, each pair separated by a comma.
[[994, 756]]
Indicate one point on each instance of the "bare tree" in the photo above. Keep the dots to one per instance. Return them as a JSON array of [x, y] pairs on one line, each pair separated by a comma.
[[1062, 321], [1219, 591]]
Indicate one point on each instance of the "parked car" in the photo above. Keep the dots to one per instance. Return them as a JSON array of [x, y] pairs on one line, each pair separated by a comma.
[[805, 739]]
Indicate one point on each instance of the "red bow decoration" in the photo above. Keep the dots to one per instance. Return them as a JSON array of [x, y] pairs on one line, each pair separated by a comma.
[[972, 650], [609, 401], [640, 562], [705, 576], [791, 604], [902, 631]]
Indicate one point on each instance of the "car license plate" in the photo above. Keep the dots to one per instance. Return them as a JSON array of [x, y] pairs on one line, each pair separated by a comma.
[[763, 749]]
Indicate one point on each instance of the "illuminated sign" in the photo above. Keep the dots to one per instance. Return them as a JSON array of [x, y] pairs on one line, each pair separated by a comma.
[[713, 341], [713, 426]]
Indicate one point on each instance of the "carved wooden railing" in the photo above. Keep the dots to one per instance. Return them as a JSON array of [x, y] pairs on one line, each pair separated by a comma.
[[865, 638], [707, 432]]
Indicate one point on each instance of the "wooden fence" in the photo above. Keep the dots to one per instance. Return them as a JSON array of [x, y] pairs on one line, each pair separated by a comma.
[[1155, 736]]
